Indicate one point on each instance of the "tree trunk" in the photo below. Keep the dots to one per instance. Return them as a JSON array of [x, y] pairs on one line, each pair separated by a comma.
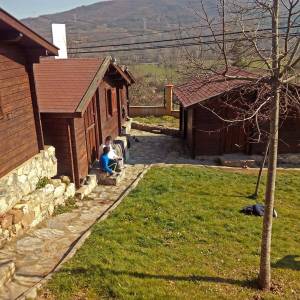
[[255, 195], [265, 258]]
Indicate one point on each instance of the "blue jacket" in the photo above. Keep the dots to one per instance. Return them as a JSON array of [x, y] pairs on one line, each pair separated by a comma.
[[104, 162]]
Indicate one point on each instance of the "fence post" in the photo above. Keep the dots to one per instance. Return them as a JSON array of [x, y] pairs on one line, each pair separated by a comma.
[[169, 98]]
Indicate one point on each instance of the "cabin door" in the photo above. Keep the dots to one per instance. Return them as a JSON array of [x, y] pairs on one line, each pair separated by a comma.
[[91, 132]]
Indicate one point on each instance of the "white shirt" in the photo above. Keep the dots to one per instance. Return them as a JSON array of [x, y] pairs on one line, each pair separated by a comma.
[[112, 153]]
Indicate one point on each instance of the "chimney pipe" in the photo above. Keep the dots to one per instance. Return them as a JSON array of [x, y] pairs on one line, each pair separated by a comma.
[[60, 40]]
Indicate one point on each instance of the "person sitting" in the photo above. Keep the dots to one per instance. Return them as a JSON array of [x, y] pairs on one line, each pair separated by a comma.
[[106, 165], [114, 158]]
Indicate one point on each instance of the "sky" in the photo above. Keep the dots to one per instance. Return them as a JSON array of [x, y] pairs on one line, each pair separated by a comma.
[[32, 8]]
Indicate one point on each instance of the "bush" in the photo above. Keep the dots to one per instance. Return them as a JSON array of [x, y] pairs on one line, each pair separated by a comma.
[[43, 182], [69, 205]]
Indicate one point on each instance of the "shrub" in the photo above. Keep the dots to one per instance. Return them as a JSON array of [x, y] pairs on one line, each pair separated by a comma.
[[43, 182]]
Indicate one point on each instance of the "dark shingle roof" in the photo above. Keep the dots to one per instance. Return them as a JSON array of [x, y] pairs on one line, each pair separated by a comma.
[[200, 89]]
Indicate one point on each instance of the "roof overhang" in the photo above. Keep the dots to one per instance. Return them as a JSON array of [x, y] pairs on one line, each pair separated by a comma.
[[106, 64], [182, 102], [94, 85], [12, 30], [234, 89], [59, 115], [123, 74]]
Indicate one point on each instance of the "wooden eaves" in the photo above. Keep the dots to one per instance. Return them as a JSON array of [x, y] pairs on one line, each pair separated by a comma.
[[22, 29]]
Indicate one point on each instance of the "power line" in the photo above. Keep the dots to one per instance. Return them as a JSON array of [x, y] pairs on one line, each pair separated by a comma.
[[175, 30], [178, 39], [155, 47]]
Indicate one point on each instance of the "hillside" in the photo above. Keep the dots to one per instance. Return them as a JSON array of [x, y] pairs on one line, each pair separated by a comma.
[[118, 17], [108, 21]]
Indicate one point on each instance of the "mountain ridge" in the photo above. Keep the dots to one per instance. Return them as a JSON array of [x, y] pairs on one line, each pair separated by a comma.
[[101, 19]]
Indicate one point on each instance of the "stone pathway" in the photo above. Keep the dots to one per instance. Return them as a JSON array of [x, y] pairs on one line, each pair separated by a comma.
[[152, 148], [38, 252]]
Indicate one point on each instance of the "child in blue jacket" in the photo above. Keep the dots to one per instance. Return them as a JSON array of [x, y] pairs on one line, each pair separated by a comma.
[[104, 162]]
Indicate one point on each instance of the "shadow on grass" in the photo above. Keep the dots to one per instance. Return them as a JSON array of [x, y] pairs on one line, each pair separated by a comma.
[[191, 278], [288, 262]]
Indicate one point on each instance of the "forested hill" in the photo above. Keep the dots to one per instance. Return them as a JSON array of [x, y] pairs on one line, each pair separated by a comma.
[[118, 18]]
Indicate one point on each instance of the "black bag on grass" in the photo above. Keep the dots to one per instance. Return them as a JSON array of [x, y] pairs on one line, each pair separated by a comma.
[[256, 210]]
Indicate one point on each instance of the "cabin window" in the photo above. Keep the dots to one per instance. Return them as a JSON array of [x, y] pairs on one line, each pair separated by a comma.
[[109, 104]]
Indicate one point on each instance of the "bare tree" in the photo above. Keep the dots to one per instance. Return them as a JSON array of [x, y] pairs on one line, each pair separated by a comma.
[[268, 40]]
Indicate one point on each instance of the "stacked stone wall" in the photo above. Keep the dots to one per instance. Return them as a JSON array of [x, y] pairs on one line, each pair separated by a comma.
[[24, 179], [155, 129], [28, 195]]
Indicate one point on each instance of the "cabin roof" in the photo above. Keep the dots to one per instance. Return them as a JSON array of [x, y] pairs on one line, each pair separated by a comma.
[[67, 85], [62, 83], [128, 73], [207, 87], [13, 29]]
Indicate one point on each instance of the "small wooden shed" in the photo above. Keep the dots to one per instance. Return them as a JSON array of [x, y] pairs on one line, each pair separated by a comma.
[[20, 126], [206, 134], [82, 101]]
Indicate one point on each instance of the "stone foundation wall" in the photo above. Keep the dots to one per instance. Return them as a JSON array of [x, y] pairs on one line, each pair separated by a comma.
[[34, 208], [24, 179], [157, 111], [155, 129], [28, 195]]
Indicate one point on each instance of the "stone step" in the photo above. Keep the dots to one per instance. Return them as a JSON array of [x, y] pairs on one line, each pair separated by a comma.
[[238, 163], [88, 187], [7, 271], [113, 180]]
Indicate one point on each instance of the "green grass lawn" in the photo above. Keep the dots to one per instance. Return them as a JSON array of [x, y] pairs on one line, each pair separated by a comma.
[[156, 72], [179, 235], [165, 121]]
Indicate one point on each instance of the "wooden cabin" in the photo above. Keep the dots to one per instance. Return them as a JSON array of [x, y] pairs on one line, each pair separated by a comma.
[[206, 134], [20, 125], [82, 101]]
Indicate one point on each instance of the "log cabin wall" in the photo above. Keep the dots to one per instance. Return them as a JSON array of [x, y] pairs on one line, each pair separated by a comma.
[[18, 134]]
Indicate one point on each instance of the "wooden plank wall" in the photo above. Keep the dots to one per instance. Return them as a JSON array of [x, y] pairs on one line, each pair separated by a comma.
[[289, 137], [207, 143], [17, 125], [214, 143], [124, 103], [109, 124], [56, 133], [80, 150], [189, 130]]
